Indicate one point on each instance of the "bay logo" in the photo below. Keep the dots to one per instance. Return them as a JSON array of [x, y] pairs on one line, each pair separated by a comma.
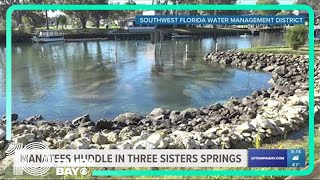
[[72, 171]]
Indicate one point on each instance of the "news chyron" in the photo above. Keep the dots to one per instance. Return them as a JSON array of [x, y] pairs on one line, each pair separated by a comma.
[[178, 92]]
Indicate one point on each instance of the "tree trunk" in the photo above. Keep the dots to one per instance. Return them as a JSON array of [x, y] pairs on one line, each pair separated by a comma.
[[97, 19], [83, 22], [57, 23], [47, 20]]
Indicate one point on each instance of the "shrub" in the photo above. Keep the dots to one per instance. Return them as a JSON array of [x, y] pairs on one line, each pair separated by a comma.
[[296, 36], [27, 24]]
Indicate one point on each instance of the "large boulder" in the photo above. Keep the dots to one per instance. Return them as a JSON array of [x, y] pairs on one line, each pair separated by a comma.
[[24, 139], [99, 138], [81, 120], [157, 112], [128, 116], [2, 134], [14, 117], [104, 124], [72, 135], [190, 113], [112, 137]]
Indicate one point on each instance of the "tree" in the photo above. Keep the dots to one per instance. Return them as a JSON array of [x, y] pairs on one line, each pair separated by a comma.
[[82, 16], [315, 4], [32, 20], [268, 2], [61, 19], [296, 36], [97, 15], [216, 2], [4, 5]]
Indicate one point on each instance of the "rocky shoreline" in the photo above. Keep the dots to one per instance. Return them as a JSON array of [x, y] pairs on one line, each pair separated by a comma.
[[238, 123]]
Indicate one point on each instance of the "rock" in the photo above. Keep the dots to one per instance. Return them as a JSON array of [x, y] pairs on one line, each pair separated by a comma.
[[190, 113], [269, 68], [87, 124], [139, 145], [34, 118], [127, 133], [281, 70], [163, 144], [245, 127], [209, 142], [125, 145], [128, 116], [2, 134], [157, 112], [104, 124], [246, 101], [264, 123], [109, 146], [72, 135], [155, 138], [210, 133], [81, 119], [24, 139], [14, 117], [112, 137], [82, 130], [144, 145], [81, 143], [95, 146], [2, 145], [46, 130], [246, 134], [199, 136], [223, 131], [99, 138], [190, 144]]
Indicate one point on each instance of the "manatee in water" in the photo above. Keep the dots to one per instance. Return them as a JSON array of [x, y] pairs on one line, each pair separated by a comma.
[[202, 83], [188, 92], [98, 84], [93, 86], [92, 97], [40, 93], [98, 66]]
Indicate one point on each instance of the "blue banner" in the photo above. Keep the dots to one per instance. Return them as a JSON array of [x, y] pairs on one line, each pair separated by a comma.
[[267, 158], [276, 158], [217, 19]]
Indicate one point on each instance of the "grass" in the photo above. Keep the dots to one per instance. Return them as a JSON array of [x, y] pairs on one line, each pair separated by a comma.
[[282, 50], [283, 144]]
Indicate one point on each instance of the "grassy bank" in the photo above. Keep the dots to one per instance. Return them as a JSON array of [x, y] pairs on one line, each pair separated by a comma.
[[282, 50]]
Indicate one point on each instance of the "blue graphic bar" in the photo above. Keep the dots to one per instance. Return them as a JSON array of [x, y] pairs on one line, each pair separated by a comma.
[[276, 158], [217, 19]]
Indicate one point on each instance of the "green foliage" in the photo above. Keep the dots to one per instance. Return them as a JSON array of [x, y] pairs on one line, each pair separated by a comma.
[[268, 2], [27, 24], [315, 4], [2, 25], [296, 36], [61, 19], [257, 141]]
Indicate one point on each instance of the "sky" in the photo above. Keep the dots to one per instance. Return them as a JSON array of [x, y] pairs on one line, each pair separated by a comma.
[[239, 1]]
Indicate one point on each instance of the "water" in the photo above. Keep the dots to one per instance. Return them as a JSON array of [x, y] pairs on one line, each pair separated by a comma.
[[64, 80]]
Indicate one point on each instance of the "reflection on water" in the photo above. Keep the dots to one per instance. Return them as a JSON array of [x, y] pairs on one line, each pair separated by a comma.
[[65, 80]]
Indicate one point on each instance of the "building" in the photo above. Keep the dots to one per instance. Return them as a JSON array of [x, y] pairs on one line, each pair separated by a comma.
[[130, 25]]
